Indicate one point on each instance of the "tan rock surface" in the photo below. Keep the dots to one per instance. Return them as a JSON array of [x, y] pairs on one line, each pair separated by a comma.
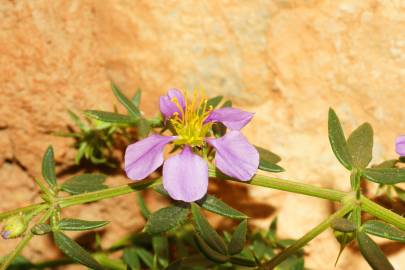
[[286, 60]]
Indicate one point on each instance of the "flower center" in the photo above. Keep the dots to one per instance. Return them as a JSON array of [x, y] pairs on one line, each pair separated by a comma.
[[190, 126]]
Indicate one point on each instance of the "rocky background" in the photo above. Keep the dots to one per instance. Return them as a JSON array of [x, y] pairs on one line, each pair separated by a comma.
[[286, 60]]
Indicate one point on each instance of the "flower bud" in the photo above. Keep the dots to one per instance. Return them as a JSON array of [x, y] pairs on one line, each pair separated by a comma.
[[14, 227]]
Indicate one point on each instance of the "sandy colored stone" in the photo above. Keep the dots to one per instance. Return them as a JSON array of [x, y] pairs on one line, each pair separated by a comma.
[[286, 60]]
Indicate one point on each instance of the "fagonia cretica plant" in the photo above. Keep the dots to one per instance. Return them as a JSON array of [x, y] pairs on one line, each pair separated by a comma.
[[201, 140]]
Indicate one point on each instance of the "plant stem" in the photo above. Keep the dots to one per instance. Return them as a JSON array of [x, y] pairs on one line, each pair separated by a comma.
[[382, 213], [287, 185], [24, 210], [21, 245], [106, 193], [308, 237]]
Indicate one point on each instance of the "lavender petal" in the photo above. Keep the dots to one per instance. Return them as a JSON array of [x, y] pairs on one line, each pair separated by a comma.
[[232, 118]]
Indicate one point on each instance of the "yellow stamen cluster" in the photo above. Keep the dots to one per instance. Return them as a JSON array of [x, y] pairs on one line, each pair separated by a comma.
[[190, 126]]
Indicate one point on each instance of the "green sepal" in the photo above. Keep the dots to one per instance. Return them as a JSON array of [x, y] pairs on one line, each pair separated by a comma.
[[360, 145], [48, 167], [166, 219], [111, 117], [372, 253], [238, 239], [71, 224], [385, 230], [386, 176], [131, 108], [210, 236], [337, 140], [84, 183], [74, 251]]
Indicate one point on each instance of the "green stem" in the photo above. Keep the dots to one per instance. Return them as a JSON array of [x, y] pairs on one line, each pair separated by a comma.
[[26, 209], [22, 244], [382, 213], [279, 258]]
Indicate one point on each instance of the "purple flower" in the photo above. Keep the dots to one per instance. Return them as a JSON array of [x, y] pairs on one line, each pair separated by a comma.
[[185, 175], [400, 145]]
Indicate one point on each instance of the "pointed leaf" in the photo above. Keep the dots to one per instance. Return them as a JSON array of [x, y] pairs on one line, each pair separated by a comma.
[[386, 176], [48, 167], [337, 140], [130, 258], [267, 155], [215, 205], [207, 232], [209, 252], [145, 256], [84, 183], [136, 99], [387, 164], [372, 253], [342, 225], [166, 219], [74, 251], [161, 249], [227, 104], [385, 230], [269, 167], [142, 206], [131, 108], [76, 120], [360, 145], [214, 102], [71, 224], [111, 117], [238, 238], [143, 128]]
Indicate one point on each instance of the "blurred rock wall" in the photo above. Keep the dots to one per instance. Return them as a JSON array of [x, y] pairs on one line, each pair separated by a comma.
[[286, 60]]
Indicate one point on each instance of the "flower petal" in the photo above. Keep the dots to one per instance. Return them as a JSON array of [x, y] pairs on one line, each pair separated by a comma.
[[167, 106], [235, 156], [400, 145], [232, 118], [145, 156], [185, 176]]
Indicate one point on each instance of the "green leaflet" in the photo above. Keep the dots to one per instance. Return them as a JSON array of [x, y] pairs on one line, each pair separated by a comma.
[[386, 176], [111, 117], [385, 230], [215, 205], [131, 108], [269, 167], [372, 253], [48, 167], [238, 239], [130, 258], [41, 229], [268, 155], [208, 234], [161, 249], [337, 140], [84, 183], [74, 251], [214, 102], [209, 252], [360, 145], [136, 99], [166, 219], [70, 224]]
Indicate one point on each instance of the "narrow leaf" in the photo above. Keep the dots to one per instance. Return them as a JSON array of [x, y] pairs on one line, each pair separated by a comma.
[[264, 165], [142, 206], [209, 252], [227, 104], [111, 117], [385, 230], [342, 225], [130, 258], [70, 224], [76, 120], [372, 253], [215, 205], [214, 102], [166, 219], [207, 232], [360, 145], [238, 238], [136, 99], [386, 176], [267, 155], [161, 249], [337, 140], [74, 251], [48, 167], [131, 108], [387, 164], [145, 256], [84, 183]]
